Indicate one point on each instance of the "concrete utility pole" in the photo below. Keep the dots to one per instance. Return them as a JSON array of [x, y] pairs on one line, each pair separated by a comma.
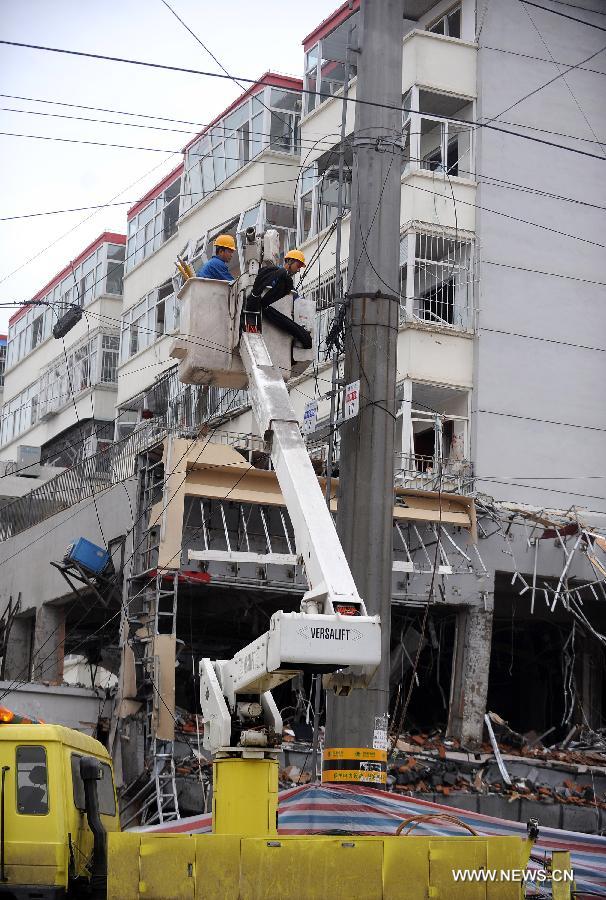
[[367, 445]]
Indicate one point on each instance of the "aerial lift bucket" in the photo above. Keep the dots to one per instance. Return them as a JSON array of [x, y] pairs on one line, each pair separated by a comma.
[[207, 346]]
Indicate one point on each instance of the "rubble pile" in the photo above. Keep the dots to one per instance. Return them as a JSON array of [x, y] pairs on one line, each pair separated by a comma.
[[571, 772]]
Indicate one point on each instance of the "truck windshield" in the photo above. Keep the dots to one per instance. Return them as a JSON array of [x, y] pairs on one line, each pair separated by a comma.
[[32, 781], [105, 788]]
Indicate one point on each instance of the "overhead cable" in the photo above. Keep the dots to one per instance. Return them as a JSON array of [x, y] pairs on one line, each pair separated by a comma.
[[252, 81]]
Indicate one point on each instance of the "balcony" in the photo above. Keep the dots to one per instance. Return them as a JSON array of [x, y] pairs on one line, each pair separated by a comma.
[[414, 471], [439, 63]]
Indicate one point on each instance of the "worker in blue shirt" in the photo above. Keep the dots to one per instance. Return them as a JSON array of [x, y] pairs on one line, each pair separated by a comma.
[[217, 267]]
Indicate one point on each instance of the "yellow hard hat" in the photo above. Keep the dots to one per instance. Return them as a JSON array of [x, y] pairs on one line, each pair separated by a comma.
[[295, 254], [225, 240]]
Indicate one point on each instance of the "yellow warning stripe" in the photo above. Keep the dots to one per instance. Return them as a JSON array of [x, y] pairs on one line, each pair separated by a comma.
[[349, 775], [357, 753]]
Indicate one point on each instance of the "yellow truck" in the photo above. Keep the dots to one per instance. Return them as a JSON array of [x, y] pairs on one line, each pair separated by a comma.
[[52, 844], [60, 838]]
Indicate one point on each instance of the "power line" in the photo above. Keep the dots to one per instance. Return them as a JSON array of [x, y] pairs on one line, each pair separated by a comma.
[[492, 262], [588, 9], [534, 337], [204, 125], [131, 531], [536, 487], [480, 177], [222, 67], [570, 91], [510, 52], [42, 137], [77, 225], [117, 112], [557, 12], [493, 412], [34, 112], [187, 71], [546, 84]]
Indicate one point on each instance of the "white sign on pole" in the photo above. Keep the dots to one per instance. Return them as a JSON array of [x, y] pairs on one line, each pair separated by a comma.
[[352, 399], [310, 417]]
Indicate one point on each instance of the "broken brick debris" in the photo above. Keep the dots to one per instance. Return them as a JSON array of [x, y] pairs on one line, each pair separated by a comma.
[[558, 774]]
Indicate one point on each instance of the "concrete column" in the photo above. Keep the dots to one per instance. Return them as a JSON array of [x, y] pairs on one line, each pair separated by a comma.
[[470, 668], [49, 644], [18, 656]]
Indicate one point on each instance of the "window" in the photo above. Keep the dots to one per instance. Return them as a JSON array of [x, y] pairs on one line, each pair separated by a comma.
[[115, 268], [32, 781], [37, 331], [153, 225], [2, 360], [441, 290], [85, 283], [19, 413], [268, 119], [319, 194], [155, 315], [105, 788], [432, 140], [448, 24], [325, 65], [110, 344]]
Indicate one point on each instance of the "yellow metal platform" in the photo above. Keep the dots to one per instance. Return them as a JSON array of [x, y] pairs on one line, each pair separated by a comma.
[[230, 867]]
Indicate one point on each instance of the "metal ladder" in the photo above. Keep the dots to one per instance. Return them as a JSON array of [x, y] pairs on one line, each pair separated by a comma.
[[155, 613]]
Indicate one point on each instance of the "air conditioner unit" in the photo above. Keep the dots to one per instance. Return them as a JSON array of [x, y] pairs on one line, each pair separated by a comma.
[[28, 461]]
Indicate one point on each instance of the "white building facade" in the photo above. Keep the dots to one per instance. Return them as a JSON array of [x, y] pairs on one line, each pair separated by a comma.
[[60, 394]]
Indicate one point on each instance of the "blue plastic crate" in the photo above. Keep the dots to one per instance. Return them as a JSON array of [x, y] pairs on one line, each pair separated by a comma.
[[92, 558]]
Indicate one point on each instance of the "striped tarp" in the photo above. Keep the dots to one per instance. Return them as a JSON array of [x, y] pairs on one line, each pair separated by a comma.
[[313, 809]]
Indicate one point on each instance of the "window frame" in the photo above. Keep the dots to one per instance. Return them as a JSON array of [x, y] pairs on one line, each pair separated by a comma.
[[457, 7], [17, 786], [105, 767]]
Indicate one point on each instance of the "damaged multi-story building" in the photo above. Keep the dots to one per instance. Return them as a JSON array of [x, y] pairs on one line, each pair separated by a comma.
[[499, 573]]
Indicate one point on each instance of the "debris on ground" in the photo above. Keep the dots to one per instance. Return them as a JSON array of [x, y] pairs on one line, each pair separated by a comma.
[[572, 771]]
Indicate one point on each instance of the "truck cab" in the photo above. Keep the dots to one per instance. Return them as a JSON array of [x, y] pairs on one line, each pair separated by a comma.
[[46, 844]]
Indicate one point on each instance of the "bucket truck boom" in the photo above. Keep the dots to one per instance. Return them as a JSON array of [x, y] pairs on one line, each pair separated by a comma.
[[332, 631]]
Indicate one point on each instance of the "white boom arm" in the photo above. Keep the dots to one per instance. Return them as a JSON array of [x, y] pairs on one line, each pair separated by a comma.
[[332, 631]]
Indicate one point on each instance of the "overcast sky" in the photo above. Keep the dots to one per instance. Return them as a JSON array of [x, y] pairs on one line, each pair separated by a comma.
[[38, 175]]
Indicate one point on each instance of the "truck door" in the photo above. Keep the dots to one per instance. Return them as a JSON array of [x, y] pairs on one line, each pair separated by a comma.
[[34, 849]]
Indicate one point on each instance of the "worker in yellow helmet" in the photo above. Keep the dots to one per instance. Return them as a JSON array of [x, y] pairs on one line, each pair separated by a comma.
[[217, 267], [272, 283]]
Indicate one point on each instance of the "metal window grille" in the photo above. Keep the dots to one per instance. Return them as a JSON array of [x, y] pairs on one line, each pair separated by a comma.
[[109, 358], [443, 280]]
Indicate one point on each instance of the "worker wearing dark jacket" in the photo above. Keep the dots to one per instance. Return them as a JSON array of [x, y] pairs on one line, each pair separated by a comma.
[[271, 284]]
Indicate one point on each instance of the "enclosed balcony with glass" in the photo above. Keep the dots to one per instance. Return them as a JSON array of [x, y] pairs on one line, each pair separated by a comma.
[[326, 61], [266, 120]]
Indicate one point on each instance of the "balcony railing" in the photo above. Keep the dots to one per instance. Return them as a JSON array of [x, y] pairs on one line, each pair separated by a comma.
[[413, 471], [426, 473]]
